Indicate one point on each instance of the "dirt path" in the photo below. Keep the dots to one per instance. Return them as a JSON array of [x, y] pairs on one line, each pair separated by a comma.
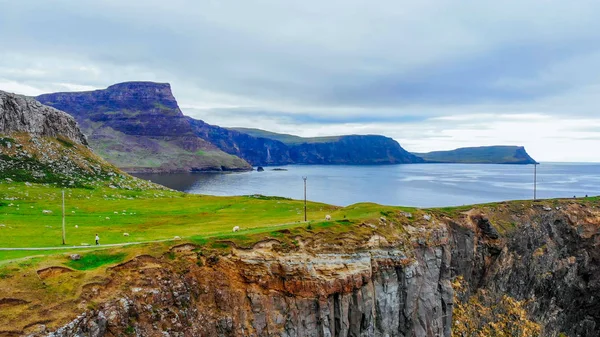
[[85, 247]]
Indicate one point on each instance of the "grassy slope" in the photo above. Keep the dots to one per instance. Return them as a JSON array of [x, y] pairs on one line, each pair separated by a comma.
[[473, 155], [285, 138], [130, 152]]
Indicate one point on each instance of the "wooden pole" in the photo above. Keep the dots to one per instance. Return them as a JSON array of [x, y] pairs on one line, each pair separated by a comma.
[[63, 218], [535, 181], [304, 198]]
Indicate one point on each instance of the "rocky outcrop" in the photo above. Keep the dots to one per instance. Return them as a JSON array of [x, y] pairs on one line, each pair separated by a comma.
[[139, 127], [20, 114], [40, 144]]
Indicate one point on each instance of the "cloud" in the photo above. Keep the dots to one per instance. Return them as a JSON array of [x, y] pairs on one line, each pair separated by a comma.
[[428, 73]]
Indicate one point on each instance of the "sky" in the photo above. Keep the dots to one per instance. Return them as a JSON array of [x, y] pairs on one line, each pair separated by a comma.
[[434, 75]]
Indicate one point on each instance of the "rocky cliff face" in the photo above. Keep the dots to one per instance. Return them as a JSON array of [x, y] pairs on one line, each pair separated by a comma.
[[362, 150], [138, 126], [26, 115], [351, 150], [498, 270], [41, 144], [255, 150]]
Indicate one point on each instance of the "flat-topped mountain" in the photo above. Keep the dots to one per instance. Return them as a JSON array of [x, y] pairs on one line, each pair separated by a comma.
[[138, 126], [44, 145], [260, 147], [480, 155]]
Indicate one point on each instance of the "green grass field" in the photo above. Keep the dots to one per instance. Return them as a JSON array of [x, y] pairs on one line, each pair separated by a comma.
[[144, 215]]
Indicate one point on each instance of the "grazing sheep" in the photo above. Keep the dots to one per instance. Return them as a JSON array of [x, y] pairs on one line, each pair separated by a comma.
[[76, 226], [236, 228], [116, 212], [125, 234], [328, 217], [107, 218], [176, 238], [46, 211]]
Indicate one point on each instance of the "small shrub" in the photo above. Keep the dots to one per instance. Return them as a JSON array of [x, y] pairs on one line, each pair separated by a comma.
[[212, 260], [130, 330]]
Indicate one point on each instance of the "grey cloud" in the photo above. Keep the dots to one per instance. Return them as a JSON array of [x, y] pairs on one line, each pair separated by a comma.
[[331, 65]]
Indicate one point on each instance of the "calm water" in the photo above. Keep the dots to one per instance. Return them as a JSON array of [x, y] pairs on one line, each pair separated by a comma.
[[421, 185]]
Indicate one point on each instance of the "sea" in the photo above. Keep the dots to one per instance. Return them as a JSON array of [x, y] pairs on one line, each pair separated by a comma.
[[416, 185]]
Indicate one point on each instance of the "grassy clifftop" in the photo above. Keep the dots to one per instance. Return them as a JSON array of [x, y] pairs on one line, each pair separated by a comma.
[[286, 138], [480, 155]]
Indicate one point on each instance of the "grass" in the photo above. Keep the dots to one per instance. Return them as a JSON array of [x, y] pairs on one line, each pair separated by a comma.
[[144, 215], [95, 260]]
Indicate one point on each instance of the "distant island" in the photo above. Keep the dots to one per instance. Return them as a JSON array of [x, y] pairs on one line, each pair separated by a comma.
[[480, 155], [139, 127]]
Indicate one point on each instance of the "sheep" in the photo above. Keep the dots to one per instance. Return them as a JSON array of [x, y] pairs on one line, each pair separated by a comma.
[[107, 218], [46, 211], [236, 228], [76, 226], [125, 234], [328, 217], [176, 238]]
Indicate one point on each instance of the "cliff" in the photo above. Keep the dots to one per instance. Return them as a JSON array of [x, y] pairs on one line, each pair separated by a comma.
[[480, 155], [507, 269], [41, 144], [138, 126], [255, 150], [260, 147], [22, 114], [353, 150]]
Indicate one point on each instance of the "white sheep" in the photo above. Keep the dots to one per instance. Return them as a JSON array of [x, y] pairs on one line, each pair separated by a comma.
[[107, 218], [328, 217], [176, 238], [46, 211], [76, 226], [125, 234], [236, 228]]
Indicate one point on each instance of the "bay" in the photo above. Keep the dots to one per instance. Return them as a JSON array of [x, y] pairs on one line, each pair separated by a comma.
[[418, 185]]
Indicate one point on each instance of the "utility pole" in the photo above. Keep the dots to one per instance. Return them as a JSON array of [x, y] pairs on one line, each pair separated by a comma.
[[535, 181], [304, 178], [63, 217]]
